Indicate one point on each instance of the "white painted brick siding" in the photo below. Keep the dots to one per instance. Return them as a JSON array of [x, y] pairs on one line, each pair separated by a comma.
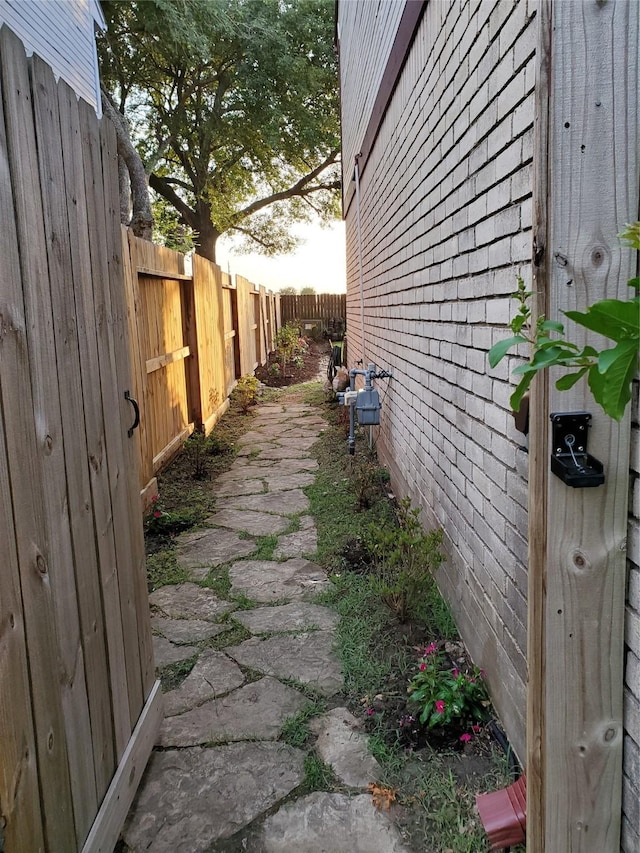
[[631, 784], [446, 226]]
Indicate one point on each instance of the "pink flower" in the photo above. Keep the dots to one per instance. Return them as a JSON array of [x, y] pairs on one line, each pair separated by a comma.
[[155, 498], [157, 513], [439, 706], [369, 712], [431, 648], [456, 672], [465, 738], [422, 667], [476, 729]]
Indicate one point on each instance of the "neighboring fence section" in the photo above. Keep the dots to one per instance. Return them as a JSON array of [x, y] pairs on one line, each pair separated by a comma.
[[79, 708], [315, 308], [192, 336]]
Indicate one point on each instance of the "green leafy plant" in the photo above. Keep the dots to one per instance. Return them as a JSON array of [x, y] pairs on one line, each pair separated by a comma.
[[286, 341], [610, 372], [160, 520], [404, 559], [246, 392], [197, 454], [274, 369], [444, 695]]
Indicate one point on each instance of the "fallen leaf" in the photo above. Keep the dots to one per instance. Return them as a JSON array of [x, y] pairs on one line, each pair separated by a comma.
[[382, 796]]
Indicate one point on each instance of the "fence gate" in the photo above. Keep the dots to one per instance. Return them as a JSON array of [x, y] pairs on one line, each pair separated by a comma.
[[79, 707]]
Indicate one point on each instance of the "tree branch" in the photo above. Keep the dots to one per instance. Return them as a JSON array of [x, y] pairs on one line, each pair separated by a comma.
[[142, 219], [161, 186], [300, 188]]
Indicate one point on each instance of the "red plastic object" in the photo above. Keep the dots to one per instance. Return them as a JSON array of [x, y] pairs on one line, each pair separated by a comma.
[[504, 814]]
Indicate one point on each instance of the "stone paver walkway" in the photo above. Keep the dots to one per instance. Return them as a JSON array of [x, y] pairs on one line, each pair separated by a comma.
[[220, 779]]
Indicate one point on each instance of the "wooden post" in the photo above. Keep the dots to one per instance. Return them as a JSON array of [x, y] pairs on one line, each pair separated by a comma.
[[586, 189]]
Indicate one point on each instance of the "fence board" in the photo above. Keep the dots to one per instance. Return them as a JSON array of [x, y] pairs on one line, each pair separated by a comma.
[[312, 307], [109, 439], [134, 554], [148, 482], [63, 459], [97, 544], [207, 285], [22, 230], [247, 325]]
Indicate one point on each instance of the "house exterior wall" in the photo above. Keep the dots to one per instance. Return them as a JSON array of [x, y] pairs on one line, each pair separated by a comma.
[[62, 32], [376, 24], [446, 218], [631, 782], [446, 226]]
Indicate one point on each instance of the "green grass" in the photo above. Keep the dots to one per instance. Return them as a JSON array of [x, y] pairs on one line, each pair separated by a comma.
[[232, 636], [163, 569], [265, 546], [173, 675], [318, 776], [295, 730]]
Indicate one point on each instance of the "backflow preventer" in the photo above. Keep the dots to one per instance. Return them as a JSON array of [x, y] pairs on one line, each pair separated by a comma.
[[364, 403]]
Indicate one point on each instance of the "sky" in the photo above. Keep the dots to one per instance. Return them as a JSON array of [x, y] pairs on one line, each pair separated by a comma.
[[319, 262]]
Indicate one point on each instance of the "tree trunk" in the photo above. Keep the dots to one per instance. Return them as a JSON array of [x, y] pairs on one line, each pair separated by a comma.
[[207, 233]]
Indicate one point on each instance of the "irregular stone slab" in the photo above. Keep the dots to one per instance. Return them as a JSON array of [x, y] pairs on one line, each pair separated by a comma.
[[188, 601], [212, 676], [272, 452], [278, 482], [256, 711], [189, 798], [290, 502], [302, 443], [292, 466], [256, 523], [300, 542], [266, 580], [206, 548], [297, 616], [237, 486], [185, 631], [259, 436], [306, 521], [344, 747], [307, 657], [322, 822], [255, 449], [165, 653]]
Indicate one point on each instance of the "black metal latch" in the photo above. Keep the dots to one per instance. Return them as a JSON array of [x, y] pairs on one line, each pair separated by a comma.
[[569, 458]]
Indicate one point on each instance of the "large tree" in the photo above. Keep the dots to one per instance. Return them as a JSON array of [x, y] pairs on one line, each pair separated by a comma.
[[233, 107]]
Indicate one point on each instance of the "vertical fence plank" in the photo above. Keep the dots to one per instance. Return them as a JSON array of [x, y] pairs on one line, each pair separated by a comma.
[[135, 562], [96, 542], [65, 462], [148, 482], [192, 362], [207, 284], [108, 435], [26, 440], [593, 189]]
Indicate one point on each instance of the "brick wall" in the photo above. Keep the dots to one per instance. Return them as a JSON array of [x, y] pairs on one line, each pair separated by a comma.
[[631, 782], [446, 226]]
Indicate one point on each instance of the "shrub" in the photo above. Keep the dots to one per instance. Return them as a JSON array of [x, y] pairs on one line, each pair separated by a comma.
[[274, 369], [160, 520], [404, 559], [446, 695], [245, 393], [286, 341], [197, 455]]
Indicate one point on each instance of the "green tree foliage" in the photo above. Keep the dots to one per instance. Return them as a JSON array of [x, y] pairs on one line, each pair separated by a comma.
[[233, 106], [307, 291]]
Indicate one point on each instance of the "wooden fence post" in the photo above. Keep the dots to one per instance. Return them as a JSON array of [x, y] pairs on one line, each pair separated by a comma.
[[586, 188]]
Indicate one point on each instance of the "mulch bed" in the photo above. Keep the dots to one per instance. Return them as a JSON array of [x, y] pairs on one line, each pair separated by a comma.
[[313, 369]]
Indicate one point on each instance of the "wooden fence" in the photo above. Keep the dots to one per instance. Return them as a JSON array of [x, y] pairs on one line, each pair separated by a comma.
[[315, 308], [192, 336], [79, 707]]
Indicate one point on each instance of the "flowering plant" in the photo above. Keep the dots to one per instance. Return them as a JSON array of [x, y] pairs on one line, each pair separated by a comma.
[[446, 695], [160, 520]]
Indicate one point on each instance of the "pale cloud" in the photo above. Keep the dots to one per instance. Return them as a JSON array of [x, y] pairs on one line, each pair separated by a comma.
[[319, 262]]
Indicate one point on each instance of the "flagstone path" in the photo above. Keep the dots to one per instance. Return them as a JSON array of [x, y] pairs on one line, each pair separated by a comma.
[[220, 779]]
